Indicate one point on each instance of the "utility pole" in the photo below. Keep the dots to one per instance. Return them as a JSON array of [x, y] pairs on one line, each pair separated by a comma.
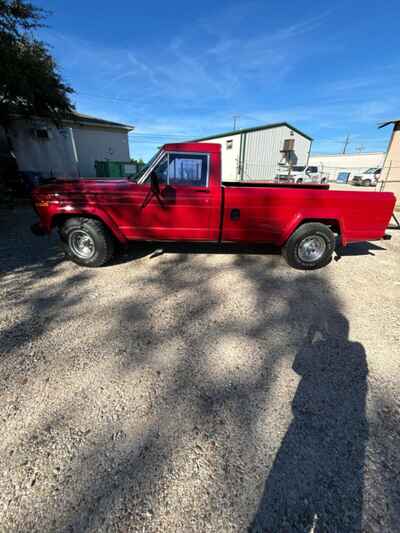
[[346, 143], [235, 118]]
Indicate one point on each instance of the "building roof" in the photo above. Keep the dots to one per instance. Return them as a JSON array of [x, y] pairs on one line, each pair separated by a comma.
[[88, 120], [394, 121], [85, 120], [257, 128]]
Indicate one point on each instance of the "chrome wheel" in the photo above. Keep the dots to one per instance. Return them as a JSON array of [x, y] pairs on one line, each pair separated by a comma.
[[311, 248], [81, 244]]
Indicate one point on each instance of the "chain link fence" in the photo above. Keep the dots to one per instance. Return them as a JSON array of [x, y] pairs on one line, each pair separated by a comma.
[[377, 178]]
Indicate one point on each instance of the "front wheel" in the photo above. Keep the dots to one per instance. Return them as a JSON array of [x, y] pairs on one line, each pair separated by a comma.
[[87, 241], [310, 247]]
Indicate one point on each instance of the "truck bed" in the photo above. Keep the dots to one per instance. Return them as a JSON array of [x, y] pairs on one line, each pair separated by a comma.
[[270, 212], [259, 183]]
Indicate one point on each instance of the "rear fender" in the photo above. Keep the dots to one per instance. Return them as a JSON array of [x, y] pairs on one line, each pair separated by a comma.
[[334, 221]]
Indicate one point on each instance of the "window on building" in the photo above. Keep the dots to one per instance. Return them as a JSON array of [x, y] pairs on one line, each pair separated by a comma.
[[229, 144]]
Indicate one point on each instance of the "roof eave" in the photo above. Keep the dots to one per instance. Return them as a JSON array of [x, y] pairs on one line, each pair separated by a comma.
[[110, 125], [256, 128], [395, 121]]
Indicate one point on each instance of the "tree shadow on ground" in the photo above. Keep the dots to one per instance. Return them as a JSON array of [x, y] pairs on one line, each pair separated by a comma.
[[178, 402], [206, 403], [20, 250], [139, 250], [360, 248]]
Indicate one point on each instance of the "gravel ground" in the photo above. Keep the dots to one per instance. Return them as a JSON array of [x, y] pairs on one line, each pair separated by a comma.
[[197, 389]]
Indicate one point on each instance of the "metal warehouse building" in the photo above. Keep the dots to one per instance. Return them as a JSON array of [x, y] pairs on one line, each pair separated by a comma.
[[259, 153]]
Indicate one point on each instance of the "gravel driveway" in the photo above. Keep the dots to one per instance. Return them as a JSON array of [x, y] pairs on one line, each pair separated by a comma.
[[197, 389]]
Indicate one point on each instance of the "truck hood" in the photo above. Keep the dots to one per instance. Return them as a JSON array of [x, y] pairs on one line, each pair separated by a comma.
[[81, 186]]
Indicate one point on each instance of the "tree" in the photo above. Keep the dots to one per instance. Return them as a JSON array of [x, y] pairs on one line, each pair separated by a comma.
[[30, 84]]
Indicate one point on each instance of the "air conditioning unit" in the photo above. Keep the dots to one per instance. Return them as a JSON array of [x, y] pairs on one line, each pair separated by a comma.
[[288, 146]]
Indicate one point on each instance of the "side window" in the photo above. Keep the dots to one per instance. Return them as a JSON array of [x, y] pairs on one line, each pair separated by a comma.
[[188, 169]]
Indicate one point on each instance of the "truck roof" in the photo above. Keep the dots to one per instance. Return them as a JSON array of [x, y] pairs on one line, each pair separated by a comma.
[[193, 147]]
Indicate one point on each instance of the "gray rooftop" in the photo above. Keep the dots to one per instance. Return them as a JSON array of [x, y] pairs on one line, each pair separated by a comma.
[[88, 120]]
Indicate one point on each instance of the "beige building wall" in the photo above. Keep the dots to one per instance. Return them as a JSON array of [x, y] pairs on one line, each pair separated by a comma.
[[391, 168], [331, 165]]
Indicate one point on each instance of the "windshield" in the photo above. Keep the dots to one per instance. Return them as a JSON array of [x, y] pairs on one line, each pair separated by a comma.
[[372, 170], [299, 169], [141, 172]]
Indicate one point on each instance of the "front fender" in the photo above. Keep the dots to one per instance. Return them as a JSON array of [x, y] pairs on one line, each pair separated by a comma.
[[53, 213]]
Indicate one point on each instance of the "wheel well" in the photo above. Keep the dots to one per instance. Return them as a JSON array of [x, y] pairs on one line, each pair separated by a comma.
[[332, 223], [58, 220]]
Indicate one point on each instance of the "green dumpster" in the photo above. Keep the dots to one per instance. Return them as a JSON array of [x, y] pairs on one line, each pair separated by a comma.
[[113, 169]]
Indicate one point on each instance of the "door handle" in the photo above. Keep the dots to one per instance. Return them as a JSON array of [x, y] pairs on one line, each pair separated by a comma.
[[235, 214]]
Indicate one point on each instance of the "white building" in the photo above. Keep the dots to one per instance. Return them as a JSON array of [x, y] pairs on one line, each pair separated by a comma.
[[391, 168], [352, 164], [255, 153], [70, 150]]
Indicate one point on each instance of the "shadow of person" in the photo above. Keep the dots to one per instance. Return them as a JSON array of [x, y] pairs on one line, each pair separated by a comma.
[[316, 481]]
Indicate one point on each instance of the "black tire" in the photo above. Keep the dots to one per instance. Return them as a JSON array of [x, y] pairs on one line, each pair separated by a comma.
[[101, 242], [323, 235], [299, 180], [367, 183]]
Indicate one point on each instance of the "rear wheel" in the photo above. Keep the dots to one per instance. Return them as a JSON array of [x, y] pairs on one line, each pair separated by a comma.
[[310, 246], [87, 241]]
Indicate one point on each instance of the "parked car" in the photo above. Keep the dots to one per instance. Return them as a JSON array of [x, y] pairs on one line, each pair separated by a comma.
[[369, 178], [284, 178], [307, 174], [181, 196]]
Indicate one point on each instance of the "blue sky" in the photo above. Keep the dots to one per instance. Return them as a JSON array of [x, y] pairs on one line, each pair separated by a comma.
[[178, 70]]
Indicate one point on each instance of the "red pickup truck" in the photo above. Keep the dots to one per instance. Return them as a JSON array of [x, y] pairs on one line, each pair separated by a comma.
[[180, 196]]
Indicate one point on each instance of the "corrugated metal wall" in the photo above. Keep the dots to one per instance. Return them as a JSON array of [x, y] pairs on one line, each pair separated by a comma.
[[229, 155], [256, 154], [260, 151]]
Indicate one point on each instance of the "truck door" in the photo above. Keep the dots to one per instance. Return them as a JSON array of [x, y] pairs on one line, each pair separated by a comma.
[[183, 205]]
